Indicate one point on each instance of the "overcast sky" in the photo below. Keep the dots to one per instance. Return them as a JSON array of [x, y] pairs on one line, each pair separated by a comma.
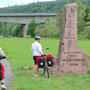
[[6, 3]]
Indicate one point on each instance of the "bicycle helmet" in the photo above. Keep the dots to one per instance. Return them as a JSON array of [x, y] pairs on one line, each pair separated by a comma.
[[37, 38]]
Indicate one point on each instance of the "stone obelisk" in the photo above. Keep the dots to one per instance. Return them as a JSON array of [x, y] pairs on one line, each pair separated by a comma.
[[70, 59]]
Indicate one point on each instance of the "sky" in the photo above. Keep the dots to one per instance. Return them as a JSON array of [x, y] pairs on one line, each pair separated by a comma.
[[6, 3]]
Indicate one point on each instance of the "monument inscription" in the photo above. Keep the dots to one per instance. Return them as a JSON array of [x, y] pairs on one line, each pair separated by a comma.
[[70, 59]]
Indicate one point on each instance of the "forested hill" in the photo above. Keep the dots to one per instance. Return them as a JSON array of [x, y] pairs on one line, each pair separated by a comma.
[[34, 7], [52, 6]]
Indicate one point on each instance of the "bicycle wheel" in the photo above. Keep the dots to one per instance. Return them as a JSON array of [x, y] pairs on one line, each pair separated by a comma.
[[47, 72]]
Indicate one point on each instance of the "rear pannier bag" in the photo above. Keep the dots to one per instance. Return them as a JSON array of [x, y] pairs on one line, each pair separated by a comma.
[[40, 62]]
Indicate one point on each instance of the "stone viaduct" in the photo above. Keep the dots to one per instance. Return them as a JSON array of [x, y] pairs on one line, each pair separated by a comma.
[[25, 19]]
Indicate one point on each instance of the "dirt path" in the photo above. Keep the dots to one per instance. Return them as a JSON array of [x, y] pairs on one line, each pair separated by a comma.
[[8, 73]]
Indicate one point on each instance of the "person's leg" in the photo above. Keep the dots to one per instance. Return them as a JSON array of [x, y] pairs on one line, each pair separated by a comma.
[[34, 68]]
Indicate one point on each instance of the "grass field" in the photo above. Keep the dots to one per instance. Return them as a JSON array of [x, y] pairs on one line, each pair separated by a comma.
[[18, 51]]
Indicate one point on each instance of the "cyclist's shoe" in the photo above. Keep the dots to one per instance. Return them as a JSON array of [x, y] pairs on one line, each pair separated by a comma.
[[36, 75], [3, 87]]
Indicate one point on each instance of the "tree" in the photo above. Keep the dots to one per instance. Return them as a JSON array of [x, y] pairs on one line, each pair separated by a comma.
[[81, 17], [49, 29], [17, 30], [86, 32], [87, 17], [31, 28], [59, 17], [13, 31], [5, 31], [1, 28]]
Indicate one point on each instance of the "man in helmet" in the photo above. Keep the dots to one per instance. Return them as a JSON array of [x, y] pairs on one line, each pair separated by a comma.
[[36, 49]]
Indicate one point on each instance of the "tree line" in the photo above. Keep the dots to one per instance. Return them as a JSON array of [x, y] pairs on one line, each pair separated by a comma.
[[52, 6]]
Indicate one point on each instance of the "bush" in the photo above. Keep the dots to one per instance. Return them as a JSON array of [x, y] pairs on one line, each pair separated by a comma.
[[86, 33], [31, 28]]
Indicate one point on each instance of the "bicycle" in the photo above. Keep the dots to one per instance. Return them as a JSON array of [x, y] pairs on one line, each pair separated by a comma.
[[45, 61]]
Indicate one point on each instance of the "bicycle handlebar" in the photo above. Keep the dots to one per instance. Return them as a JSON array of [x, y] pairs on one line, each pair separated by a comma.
[[45, 48]]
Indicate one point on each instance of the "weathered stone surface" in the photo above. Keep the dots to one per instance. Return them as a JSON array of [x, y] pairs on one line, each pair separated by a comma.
[[70, 58]]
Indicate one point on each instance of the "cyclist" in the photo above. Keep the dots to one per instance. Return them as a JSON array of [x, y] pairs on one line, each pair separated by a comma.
[[36, 49], [2, 56]]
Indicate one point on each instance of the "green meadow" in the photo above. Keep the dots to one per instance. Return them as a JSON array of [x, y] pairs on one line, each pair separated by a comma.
[[18, 51]]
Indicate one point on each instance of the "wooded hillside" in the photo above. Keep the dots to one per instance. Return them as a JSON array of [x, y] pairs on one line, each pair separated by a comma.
[[52, 6]]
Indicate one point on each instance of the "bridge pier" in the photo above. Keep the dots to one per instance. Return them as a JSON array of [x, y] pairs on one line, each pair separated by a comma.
[[25, 26]]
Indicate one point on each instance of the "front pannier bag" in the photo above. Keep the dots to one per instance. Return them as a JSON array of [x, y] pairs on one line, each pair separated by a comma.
[[49, 58], [49, 62]]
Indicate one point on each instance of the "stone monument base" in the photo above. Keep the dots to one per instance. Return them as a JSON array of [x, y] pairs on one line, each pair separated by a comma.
[[71, 65]]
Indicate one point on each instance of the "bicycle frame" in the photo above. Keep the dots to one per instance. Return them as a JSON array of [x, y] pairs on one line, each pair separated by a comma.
[[46, 69], [44, 63]]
